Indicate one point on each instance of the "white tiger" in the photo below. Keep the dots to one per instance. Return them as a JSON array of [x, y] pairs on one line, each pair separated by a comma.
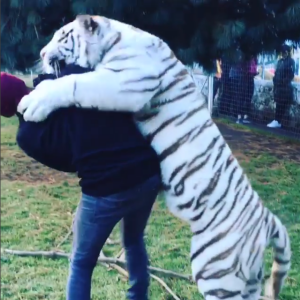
[[204, 184]]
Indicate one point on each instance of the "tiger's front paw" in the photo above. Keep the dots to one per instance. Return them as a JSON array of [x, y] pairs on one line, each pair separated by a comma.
[[37, 105], [34, 109]]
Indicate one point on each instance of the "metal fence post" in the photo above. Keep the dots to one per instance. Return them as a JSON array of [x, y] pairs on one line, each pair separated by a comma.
[[210, 99]]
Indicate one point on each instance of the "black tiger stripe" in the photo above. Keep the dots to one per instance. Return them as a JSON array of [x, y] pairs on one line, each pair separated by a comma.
[[208, 149], [176, 171], [251, 215], [251, 197], [174, 147], [179, 97], [168, 87], [210, 222], [74, 89], [189, 86], [120, 57], [229, 161], [240, 274], [78, 47], [186, 205], [230, 210], [253, 250], [190, 114], [221, 150], [170, 67], [244, 192], [224, 195], [65, 35], [223, 255], [142, 117], [240, 181], [145, 90], [73, 43], [199, 216], [182, 73], [252, 282], [210, 188], [200, 131], [279, 250], [141, 79], [257, 220], [179, 187], [254, 260], [274, 228], [171, 56], [119, 70], [115, 40], [281, 261], [222, 294], [218, 274], [165, 124]]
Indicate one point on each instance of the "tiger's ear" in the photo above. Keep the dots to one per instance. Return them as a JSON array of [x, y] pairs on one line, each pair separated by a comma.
[[87, 23]]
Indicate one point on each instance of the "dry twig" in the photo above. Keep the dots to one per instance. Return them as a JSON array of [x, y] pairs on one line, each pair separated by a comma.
[[113, 262], [114, 266], [168, 289], [108, 260], [64, 239]]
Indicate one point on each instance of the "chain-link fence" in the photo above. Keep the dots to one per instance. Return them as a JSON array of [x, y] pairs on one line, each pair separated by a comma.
[[263, 92]]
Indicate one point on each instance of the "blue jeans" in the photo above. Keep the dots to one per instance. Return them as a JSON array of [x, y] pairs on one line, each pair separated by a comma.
[[94, 221]]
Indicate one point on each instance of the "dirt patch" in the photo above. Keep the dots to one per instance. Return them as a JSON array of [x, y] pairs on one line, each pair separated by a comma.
[[247, 144], [16, 166]]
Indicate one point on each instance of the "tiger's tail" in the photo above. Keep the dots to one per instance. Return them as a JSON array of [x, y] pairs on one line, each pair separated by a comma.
[[282, 259]]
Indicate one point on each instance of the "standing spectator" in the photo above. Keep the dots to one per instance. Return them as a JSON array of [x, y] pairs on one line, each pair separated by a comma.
[[217, 78], [235, 79], [224, 100], [249, 71], [283, 90]]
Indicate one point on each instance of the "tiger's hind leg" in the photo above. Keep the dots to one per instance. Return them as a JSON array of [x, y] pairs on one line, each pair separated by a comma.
[[253, 290], [229, 287], [254, 286], [221, 296], [215, 273]]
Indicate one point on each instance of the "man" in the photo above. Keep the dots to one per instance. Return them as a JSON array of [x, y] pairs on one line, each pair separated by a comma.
[[283, 90], [120, 179]]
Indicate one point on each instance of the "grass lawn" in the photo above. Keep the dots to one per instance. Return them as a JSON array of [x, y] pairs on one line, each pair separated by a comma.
[[37, 206]]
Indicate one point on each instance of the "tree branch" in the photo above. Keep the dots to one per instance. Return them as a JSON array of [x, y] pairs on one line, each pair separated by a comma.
[[108, 260], [168, 289]]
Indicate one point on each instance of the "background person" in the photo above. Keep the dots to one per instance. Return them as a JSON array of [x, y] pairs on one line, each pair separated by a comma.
[[283, 90], [249, 71]]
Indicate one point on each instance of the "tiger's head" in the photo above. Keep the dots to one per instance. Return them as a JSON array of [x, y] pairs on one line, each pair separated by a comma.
[[79, 42]]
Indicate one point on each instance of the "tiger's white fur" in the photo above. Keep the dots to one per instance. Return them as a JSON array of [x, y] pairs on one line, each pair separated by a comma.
[[204, 184]]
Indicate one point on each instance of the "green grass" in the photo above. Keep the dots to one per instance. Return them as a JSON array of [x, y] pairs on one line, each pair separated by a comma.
[[241, 127], [36, 211]]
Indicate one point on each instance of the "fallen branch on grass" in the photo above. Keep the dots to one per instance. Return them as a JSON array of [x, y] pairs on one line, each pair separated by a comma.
[[108, 260], [168, 289], [111, 261], [64, 239], [114, 266]]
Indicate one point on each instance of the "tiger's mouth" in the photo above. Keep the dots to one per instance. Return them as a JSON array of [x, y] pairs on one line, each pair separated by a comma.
[[58, 65]]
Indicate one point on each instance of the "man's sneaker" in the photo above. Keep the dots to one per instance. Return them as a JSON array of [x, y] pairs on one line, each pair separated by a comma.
[[239, 120], [274, 124], [246, 120]]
